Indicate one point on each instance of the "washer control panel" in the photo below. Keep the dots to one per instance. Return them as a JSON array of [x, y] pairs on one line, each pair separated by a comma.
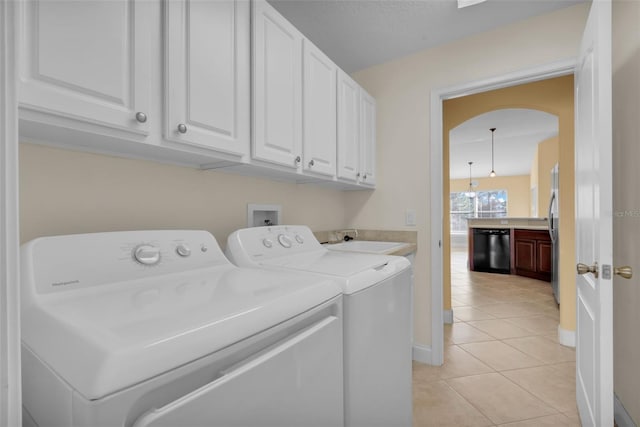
[[64, 263], [259, 243]]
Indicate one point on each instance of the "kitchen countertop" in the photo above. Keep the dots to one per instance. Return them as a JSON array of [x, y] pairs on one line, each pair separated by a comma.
[[509, 222]]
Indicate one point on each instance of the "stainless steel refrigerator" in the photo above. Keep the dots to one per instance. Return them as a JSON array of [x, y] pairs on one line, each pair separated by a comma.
[[553, 218]]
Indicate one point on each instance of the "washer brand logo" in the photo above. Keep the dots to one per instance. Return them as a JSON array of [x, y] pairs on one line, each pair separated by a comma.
[[70, 282]]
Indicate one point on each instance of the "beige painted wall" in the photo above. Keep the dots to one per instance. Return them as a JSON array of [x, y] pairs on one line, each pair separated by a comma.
[[626, 203], [518, 197], [546, 157], [66, 192], [402, 89]]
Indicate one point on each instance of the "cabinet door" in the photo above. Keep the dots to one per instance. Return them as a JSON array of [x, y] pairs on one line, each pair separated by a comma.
[[319, 112], [368, 139], [87, 61], [207, 74], [277, 88], [348, 127], [525, 255], [544, 256]]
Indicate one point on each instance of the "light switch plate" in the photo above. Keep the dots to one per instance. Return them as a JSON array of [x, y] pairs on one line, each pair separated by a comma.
[[410, 217]]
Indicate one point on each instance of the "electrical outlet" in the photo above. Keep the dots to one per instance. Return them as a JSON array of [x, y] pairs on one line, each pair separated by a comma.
[[410, 217]]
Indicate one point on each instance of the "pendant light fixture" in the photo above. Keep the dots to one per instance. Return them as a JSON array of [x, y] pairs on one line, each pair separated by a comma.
[[493, 171], [470, 192]]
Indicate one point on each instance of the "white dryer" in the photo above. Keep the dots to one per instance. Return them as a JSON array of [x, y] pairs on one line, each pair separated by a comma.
[[157, 328], [377, 315]]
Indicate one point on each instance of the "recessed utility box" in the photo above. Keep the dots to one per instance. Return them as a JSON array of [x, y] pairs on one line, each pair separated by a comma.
[[263, 215]]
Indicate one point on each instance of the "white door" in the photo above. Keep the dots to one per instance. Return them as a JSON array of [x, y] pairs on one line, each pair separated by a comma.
[[368, 139], [594, 346], [348, 127], [87, 61], [277, 88], [207, 62], [319, 112]]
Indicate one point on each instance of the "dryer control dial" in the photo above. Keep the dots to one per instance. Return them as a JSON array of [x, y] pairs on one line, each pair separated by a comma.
[[285, 241], [299, 239], [183, 250], [147, 254], [267, 243]]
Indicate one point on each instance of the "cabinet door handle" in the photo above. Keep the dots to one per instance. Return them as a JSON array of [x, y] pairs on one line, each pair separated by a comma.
[[298, 159], [182, 128], [358, 175], [141, 117], [364, 176], [311, 163]]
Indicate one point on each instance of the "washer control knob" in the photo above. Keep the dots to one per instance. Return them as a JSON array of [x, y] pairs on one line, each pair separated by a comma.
[[299, 239], [285, 241], [147, 254], [183, 250], [267, 243]]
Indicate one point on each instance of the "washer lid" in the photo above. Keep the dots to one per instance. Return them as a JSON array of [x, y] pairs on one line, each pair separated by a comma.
[[105, 338], [354, 271]]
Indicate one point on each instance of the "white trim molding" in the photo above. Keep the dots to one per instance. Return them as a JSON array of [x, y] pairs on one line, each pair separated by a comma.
[[447, 316], [566, 337], [541, 72], [621, 416], [422, 354], [10, 388]]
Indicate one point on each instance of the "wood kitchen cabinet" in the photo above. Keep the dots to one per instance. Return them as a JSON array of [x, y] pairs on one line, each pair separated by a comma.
[[532, 253]]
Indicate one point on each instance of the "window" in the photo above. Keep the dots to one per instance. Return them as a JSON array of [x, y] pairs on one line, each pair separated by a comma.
[[481, 204]]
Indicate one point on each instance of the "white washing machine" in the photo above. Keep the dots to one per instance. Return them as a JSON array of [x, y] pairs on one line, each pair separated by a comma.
[[157, 328], [377, 315]]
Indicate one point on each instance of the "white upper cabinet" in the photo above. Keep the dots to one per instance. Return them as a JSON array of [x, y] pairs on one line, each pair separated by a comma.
[[356, 133], [348, 127], [277, 88], [368, 139], [87, 61], [207, 74], [319, 112]]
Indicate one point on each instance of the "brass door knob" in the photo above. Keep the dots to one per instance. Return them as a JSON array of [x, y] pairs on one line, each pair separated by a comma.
[[584, 269], [626, 272]]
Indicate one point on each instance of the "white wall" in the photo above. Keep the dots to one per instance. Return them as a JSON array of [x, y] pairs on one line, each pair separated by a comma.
[[402, 90]]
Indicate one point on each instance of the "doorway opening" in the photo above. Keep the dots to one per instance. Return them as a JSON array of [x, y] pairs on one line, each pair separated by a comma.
[[475, 91]]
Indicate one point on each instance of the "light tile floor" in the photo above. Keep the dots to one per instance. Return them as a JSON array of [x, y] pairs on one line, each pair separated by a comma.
[[503, 363]]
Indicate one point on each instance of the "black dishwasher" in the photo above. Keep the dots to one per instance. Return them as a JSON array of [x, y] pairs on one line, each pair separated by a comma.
[[491, 250]]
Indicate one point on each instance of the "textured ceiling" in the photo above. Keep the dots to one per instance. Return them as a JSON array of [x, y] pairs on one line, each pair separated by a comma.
[[357, 34]]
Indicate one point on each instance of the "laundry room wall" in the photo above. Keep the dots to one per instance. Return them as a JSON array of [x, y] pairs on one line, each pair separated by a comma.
[[67, 192], [626, 208], [402, 89]]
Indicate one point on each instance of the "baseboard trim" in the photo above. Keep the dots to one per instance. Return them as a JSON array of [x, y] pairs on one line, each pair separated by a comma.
[[566, 337], [422, 354], [621, 416], [447, 316]]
